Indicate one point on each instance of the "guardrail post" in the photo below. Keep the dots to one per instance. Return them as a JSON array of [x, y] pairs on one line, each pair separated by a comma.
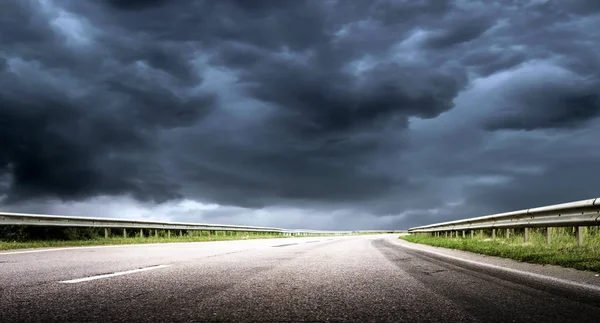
[[507, 233], [579, 235], [471, 234], [463, 231], [141, 233], [526, 234], [446, 234], [481, 234], [105, 233], [548, 231], [493, 234], [124, 233], [181, 233], [156, 233], [169, 234]]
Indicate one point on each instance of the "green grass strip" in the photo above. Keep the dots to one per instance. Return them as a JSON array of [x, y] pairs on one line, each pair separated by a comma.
[[7, 245], [563, 252]]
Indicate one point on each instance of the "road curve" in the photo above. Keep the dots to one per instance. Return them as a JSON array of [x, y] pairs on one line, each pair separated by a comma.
[[342, 279]]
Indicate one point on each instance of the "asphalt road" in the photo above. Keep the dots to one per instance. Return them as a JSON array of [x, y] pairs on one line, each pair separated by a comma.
[[347, 279]]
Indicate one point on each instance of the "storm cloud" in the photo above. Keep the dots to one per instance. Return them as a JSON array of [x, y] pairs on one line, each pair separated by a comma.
[[318, 114]]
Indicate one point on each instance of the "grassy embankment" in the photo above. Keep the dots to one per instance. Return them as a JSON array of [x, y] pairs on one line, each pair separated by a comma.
[[562, 251]]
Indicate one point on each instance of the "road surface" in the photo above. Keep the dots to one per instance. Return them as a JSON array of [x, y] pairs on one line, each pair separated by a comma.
[[341, 279]]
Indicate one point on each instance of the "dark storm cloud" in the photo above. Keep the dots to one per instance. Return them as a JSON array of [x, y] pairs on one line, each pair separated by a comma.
[[306, 104], [54, 145], [540, 105], [583, 7], [324, 101], [460, 31], [488, 62], [76, 124], [135, 4]]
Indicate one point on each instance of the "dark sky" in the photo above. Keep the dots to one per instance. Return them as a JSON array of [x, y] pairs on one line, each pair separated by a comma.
[[321, 114]]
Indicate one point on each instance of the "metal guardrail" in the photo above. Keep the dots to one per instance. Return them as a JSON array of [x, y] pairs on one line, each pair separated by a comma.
[[574, 214], [380, 231], [72, 221]]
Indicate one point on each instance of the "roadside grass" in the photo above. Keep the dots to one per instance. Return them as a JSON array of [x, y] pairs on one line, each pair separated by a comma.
[[136, 239], [99, 241], [562, 251]]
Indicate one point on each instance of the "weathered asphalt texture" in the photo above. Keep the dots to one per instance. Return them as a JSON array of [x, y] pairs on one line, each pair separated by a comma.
[[349, 279]]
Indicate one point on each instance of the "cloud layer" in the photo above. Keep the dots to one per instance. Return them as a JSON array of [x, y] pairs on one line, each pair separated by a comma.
[[350, 113]]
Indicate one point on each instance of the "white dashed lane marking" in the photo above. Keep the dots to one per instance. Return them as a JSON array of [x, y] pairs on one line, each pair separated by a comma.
[[86, 279]]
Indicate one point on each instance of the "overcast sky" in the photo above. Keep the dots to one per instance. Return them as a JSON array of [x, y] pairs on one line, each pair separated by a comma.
[[324, 114]]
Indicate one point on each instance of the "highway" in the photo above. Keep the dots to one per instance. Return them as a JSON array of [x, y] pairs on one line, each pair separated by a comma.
[[372, 278]]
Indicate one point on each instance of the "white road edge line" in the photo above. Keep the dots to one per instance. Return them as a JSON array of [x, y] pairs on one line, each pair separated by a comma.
[[510, 270], [100, 247], [135, 245], [81, 280]]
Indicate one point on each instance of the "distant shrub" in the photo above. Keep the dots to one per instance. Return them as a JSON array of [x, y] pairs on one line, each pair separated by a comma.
[[29, 233]]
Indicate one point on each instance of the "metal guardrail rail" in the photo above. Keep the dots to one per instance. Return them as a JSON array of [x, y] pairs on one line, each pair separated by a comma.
[[380, 231], [73, 221], [106, 223], [574, 214]]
